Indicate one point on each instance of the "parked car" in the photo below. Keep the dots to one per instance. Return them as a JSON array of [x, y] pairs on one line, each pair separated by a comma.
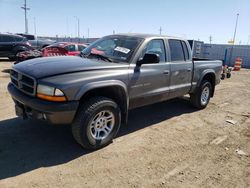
[[37, 43], [11, 44], [71, 48], [56, 49], [116, 73]]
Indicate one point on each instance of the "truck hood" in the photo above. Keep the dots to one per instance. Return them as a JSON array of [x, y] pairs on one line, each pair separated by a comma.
[[51, 66]]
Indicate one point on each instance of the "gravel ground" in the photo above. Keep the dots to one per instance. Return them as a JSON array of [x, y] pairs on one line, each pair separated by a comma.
[[169, 144]]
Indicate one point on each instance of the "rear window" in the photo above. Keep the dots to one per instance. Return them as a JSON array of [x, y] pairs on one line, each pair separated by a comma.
[[176, 50], [30, 37]]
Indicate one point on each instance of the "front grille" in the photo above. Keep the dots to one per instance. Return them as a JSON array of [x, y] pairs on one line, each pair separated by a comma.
[[23, 82]]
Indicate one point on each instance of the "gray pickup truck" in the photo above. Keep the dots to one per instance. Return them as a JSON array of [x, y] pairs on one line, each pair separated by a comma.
[[116, 73]]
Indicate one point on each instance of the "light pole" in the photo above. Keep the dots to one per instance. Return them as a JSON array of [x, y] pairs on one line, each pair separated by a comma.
[[235, 30], [78, 26], [25, 8], [88, 35], [35, 26]]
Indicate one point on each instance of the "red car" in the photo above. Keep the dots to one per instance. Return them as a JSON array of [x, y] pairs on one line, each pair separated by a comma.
[[63, 48], [56, 49]]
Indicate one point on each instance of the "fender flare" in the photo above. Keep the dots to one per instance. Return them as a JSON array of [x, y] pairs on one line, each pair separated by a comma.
[[107, 83], [204, 73]]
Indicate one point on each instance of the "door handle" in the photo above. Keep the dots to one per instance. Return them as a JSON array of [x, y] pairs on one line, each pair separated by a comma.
[[189, 70], [166, 72]]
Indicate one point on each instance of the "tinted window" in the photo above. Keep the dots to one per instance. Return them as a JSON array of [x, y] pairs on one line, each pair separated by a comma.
[[185, 49], [156, 47], [70, 48], [7, 38], [176, 50], [30, 37], [20, 39]]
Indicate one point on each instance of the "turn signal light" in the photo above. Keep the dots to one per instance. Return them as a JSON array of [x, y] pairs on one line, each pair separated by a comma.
[[52, 98]]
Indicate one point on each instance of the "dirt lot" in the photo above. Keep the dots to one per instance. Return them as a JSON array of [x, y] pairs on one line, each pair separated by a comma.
[[164, 145]]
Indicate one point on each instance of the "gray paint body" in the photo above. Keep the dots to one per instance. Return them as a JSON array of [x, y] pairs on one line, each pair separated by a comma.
[[142, 85]]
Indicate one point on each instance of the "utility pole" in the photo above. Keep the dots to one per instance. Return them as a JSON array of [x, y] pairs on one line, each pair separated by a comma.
[[160, 30], [25, 8], [210, 39], [235, 30], [88, 35], [35, 26]]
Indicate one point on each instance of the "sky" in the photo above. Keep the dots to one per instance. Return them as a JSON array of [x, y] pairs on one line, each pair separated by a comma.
[[193, 19]]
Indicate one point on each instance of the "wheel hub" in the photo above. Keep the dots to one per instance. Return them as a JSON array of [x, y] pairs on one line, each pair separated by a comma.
[[102, 125], [205, 96]]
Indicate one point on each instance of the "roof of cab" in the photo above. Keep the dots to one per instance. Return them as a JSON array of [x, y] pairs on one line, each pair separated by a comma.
[[141, 35]]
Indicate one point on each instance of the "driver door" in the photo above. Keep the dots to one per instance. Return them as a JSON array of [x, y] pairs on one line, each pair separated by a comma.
[[149, 83]]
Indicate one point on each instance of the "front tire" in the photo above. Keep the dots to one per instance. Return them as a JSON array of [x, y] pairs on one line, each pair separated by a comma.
[[96, 123], [201, 97]]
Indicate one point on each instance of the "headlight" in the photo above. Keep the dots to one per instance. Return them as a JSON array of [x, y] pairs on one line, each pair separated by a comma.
[[50, 93]]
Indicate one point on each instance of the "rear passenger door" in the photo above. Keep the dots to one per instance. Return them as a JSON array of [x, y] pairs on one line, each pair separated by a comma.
[[181, 66]]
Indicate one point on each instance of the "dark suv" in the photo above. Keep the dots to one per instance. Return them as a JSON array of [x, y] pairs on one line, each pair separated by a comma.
[[10, 45]]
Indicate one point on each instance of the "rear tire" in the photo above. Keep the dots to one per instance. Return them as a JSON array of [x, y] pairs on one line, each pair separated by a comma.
[[201, 97], [96, 123]]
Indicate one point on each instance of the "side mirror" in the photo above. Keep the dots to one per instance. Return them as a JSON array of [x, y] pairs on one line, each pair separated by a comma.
[[149, 58]]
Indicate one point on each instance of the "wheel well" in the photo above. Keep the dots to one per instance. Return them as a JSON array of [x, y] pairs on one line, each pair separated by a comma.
[[211, 78], [115, 93]]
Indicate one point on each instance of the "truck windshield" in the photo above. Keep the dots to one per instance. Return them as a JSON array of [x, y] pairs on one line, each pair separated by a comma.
[[116, 48]]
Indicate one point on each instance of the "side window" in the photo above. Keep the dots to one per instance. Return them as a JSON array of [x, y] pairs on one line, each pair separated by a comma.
[[81, 48], [6, 38], [70, 48], [155, 46], [20, 39], [176, 50], [185, 49]]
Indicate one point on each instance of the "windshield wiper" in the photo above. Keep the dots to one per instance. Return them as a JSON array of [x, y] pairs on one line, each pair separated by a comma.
[[105, 58]]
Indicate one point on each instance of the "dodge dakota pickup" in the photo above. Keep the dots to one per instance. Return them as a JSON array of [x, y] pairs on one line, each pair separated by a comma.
[[95, 91]]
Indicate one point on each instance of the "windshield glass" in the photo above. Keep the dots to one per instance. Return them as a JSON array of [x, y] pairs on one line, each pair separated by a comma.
[[117, 48]]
